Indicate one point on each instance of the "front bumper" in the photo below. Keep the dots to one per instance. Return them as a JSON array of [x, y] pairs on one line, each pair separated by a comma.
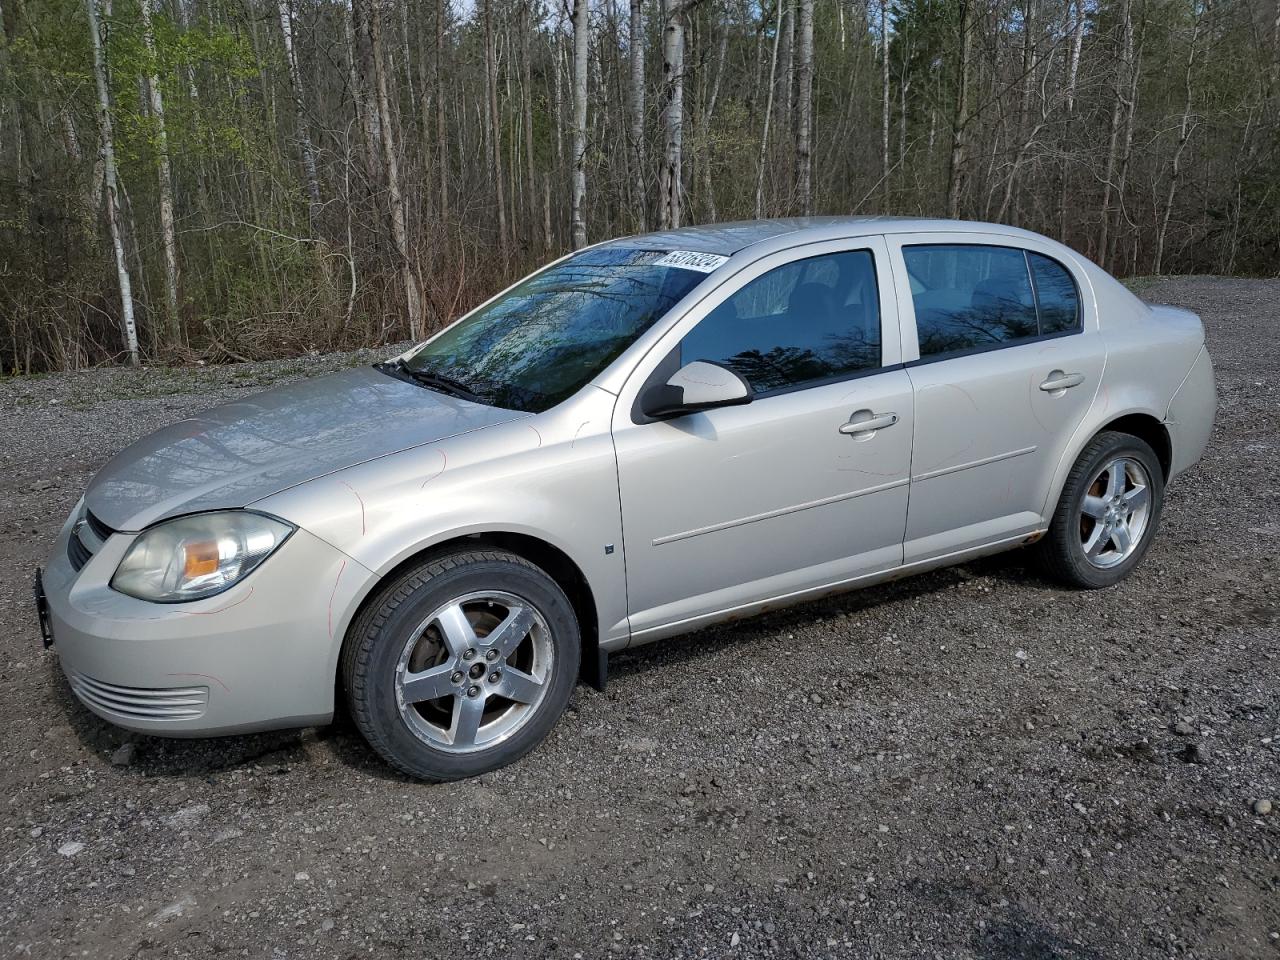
[[261, 656]]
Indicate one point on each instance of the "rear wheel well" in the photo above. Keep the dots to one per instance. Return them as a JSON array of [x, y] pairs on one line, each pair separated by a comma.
[[551, 560], [1147, 428]]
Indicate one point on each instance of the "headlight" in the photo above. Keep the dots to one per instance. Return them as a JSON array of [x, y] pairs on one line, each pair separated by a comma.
[[195, 557]]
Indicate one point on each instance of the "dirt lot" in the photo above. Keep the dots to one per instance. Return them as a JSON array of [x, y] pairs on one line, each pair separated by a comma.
[[984, 765]]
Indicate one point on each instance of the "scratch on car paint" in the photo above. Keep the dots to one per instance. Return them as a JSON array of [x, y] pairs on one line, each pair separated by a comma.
[[444, 462], [210, 613], [535, 433], [333, 593], [363, 527], [204, 676], [578, 432]]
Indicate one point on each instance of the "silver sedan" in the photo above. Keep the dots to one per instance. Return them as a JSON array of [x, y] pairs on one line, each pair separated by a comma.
[[645, 437]]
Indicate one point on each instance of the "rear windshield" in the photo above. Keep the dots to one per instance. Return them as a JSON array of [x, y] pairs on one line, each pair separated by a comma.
[[546, 338]]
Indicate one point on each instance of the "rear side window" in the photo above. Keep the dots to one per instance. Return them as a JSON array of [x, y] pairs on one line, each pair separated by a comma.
[[1056, 295], [806, 322], [976, 297]]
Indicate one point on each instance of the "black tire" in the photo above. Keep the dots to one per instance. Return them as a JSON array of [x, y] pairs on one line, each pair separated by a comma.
[[378, 638], [1062, 552]]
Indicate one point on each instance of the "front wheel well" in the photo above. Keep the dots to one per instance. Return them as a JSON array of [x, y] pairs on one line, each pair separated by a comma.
[[1149, 429], [550, 559]]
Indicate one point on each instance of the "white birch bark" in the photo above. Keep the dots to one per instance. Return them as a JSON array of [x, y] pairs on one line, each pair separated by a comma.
[[168, 234], [804, 109], [581, 27], [299, 110], [107, 142]]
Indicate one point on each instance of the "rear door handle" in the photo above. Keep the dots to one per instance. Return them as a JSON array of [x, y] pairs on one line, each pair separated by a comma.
[[1058, 381], [864, 423]]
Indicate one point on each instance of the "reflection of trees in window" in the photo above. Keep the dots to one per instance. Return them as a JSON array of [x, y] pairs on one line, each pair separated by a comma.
[[779, 367]]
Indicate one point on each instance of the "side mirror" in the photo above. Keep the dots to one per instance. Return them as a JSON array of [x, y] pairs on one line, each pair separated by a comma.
[[700, 385]]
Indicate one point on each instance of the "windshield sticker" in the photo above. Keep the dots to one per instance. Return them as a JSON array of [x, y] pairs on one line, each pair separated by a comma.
[[688, 260]]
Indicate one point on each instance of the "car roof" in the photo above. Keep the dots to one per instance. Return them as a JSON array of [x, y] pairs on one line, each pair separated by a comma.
[[729, 238]]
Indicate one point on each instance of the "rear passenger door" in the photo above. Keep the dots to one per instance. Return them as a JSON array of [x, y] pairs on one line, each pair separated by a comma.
[[1005, 359]]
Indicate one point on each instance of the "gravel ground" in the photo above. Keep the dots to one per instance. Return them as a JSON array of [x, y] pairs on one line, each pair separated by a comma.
[[983, 765]]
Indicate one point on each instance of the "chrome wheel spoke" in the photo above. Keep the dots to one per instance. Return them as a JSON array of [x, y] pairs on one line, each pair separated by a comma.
[[1136, 499], [1094, 507], [507, 636], [429, 684], [1096, 542], [1122, 538], [459, 635], [518, 686], [1116, 475], [465, 725]]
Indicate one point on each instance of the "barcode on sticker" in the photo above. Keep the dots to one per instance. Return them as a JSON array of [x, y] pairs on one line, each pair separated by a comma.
[[689, 260]]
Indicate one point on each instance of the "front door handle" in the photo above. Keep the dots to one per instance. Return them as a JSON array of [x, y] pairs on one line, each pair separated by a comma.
[[864, 423], [1057, 381]]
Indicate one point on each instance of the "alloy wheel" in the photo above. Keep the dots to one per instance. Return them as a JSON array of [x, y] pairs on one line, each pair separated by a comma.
[[474, 671], [1115, 512]]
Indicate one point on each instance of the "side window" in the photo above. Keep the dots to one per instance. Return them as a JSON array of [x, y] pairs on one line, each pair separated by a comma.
[[970, 297], [808, 321], [1056, 295]]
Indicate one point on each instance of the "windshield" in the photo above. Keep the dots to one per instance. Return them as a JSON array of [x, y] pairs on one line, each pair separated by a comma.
[[546, 338]]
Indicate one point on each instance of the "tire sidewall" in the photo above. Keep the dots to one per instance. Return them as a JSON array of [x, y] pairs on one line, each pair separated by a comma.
[[374, 676], [1111, 447]]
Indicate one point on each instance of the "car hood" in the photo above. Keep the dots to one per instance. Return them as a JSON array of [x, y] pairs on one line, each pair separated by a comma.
[[243, 451]]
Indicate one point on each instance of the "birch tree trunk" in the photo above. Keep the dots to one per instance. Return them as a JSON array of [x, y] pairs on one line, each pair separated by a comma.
[[1069, 96], [768, 116], [299, 109], [804, 109], [107, 142], [636, 40], [884, 102], [495, 119], [168, 236], [581, 26], [960, 123], [372, 21], [671, 175]]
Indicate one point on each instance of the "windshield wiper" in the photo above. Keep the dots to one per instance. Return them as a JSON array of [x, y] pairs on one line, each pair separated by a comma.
[[434, 381]]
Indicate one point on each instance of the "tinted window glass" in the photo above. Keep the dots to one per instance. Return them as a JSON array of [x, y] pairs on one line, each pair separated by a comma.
[[1056, 295], [969, 297], [546, 338], [811, 320]]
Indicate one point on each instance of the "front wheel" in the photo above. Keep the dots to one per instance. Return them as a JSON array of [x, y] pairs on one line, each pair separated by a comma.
[[1108, 513], [462, 665]]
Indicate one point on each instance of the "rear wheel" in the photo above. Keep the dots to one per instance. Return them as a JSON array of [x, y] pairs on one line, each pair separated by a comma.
[[462, 665], [1108, 513]]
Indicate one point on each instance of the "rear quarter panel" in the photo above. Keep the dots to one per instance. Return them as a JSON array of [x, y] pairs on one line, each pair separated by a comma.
[[1150, 353]]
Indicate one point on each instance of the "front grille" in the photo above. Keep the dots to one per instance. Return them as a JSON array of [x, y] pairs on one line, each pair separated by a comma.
[[77, 552], [140, 703], [87, 537], [100, 529]]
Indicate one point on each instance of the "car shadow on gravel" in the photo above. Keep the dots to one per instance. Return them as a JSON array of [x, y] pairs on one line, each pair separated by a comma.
[[844, 603], [145, 755]]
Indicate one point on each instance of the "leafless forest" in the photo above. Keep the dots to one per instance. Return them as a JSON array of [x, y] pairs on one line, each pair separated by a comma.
[[225, 179]]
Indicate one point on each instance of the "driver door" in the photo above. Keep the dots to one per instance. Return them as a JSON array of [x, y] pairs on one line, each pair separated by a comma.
[[733, 507]]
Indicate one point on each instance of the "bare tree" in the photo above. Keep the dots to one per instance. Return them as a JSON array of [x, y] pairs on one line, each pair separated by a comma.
[[636, 41], [106, 138], [285, 9], [168, 235], [960, 119], [581, 29], [804, 109]]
